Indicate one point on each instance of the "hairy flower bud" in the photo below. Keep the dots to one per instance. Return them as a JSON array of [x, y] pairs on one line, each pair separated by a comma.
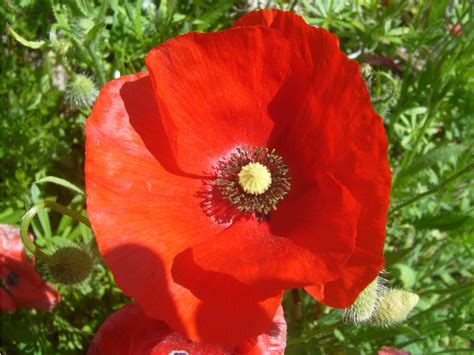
[[366, 303], [81, 92], [69, 265], [394, 307]]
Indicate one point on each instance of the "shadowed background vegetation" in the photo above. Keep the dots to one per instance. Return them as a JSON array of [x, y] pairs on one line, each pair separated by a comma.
[[417, 59]]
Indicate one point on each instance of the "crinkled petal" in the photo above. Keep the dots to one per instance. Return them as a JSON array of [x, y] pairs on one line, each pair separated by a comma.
[[143, 215], [304, 242], [341, 134], [130, 332], [216, 91], [273, 341]]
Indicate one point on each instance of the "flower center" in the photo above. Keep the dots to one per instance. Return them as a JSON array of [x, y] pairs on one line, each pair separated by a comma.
[[253, 179]]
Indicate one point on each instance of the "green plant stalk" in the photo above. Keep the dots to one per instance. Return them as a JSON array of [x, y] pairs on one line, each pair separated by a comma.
[[99, 69], [32, 212], [87, 52], [316, 332], [433, 190]]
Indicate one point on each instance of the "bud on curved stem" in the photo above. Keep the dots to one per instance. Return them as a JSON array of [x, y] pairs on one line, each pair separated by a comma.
[[68, 265]]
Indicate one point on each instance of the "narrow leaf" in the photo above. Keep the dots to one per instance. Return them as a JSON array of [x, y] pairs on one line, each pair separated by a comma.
[[428, 160], [444, 222], [25, 42], [60, 182]]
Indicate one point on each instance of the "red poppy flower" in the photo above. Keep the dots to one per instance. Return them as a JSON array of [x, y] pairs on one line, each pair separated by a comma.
[[386, 350], [246, 162], [22, 285], [129, 331]]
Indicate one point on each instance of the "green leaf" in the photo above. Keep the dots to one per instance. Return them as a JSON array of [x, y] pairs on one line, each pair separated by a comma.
[[428, 160], [65, 225], [10, 216], [93, 32], [43, 215], [466, 335], [83, 7], [395, 256], [164, 12], [102, 11], [60, 13], [406, 274], [338, 334], [137, 21], [25, 42], [61, 242], [444, 222], [61, 182]]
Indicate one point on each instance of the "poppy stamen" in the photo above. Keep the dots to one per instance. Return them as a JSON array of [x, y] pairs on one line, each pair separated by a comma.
[[253, 179]]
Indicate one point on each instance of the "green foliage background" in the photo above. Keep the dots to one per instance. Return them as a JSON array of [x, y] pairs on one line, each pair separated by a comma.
[[426, 100]]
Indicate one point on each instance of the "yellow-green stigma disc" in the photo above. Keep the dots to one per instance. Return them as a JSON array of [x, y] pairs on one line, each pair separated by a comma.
[[255, 178]]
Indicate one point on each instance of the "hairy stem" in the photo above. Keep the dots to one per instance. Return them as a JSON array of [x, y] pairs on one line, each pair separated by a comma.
[[32, 212]]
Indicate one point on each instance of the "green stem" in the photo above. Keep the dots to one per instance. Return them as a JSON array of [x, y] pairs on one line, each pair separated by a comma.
[[433, 190], [87, 51], [315, 333], [32, 212], [97, 64]]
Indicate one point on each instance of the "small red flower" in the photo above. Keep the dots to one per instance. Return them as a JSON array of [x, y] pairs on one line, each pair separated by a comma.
[[455, 30], [129, 331], [246, 162], [386, 350], [22, 285]]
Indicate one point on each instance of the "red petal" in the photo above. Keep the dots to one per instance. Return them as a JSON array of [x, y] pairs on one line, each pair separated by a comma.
[[119, 331], [12, 246], [216, 91], [316, 46], [23, 285], [355, 152], [360, 270], [273, 341], [305, 242], [350, 143], [6, 301], [143, 215], [129, 331], [386, 350]]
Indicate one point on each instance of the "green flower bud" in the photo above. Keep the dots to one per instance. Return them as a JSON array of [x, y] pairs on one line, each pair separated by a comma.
[[364, 306], [69, 265], [81, 92], [394, 307]]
